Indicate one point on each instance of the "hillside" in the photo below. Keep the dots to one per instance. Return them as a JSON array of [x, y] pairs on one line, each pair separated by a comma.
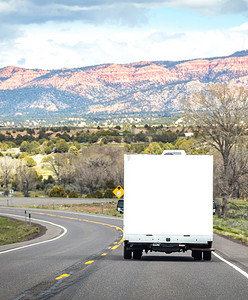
[[111, 89]]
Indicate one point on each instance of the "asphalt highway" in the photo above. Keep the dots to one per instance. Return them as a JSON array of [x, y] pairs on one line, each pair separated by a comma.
[[81, 257]]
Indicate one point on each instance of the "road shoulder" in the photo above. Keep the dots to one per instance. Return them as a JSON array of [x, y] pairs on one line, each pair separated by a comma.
[[232, 251]]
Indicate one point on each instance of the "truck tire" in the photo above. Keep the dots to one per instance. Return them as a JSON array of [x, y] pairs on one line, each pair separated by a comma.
[[137, 254], [207, 255], [197, 255], [127, 253]]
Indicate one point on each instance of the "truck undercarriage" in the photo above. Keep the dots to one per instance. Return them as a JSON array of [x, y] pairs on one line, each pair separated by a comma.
[[199, 251]]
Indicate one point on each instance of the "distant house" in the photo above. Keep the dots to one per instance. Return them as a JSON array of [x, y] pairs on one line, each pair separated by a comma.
[[188, 134]]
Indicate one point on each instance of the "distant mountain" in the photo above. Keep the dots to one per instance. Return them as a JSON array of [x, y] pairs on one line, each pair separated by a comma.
[[111, 89]]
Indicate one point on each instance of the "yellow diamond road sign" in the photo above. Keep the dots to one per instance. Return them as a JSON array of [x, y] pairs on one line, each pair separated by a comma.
[[119, 192]]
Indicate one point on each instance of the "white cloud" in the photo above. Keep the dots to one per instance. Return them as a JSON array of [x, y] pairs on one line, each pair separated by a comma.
[[75, 33], [49, 47], [160, 37], [243, 28]]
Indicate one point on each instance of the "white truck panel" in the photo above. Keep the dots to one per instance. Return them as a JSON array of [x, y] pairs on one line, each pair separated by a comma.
[[168, 197]]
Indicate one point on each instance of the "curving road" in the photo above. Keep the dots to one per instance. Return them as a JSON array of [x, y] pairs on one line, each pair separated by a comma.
[[83, 260]]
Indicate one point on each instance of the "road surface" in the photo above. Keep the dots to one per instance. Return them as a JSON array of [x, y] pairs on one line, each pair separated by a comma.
[[84, 261]]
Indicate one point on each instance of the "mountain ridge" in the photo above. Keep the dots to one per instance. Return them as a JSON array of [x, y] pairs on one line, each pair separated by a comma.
[[139, 87]]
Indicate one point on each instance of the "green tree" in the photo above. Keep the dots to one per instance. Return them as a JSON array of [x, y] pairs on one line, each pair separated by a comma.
[[168, 146], [77, 145], [24, 146], [34, 148], [153, 148], [30, 147], [74, 150], [141, 137], [4, 146], [48, 150], [62, 146], [31, 162]]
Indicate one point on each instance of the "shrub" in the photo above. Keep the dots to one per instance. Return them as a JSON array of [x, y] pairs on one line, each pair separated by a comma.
[[97, 194], [57, 192], [48, 150], [73, 194], [74, 150], [108, 193], [62, 146], [31, 162], [23, 155], [54, 192], [62, 193], [24, 146]]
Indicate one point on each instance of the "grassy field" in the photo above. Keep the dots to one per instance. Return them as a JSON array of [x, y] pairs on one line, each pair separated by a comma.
[[105, 208], [108, 208], [235, 225], [233, 228], [12, 231]]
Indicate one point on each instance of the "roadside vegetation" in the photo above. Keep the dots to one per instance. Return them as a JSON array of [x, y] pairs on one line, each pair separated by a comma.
[[88, 162], [104, 208], [235, 224], [12, 231], [66, 162]]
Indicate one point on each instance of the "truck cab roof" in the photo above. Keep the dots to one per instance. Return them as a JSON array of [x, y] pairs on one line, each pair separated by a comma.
[[173, 152]]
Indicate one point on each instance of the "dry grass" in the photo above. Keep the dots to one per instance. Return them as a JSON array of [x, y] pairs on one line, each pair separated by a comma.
[[104, 208], [12, 231]]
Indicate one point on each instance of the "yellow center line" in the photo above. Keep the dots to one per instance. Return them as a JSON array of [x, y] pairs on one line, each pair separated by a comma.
[[115, 247], [89, 262], [77, 219], [83, 220], [62, 276]]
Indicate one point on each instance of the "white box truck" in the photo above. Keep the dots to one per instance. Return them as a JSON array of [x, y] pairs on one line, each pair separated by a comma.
[[168, 204]]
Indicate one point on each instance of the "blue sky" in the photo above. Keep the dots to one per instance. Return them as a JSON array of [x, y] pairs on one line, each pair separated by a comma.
[[51, 34]]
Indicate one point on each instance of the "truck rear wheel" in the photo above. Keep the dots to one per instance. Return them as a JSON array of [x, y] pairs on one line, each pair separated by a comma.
[[137, 254], [127, 253], [207, 255], [197, 254]]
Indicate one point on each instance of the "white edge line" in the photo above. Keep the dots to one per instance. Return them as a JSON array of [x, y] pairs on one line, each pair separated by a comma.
[[38, 243], [232, 265]]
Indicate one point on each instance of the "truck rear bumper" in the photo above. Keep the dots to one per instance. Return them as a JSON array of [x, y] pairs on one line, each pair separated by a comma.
[[168, 239], [167, 247]]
